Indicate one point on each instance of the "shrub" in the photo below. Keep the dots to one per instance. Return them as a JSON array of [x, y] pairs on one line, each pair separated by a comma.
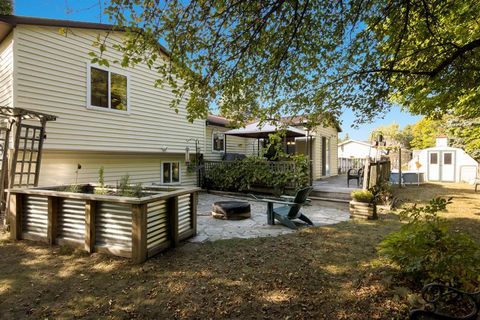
[[382, 192], [427, 251], [241, 175], [362, 196]]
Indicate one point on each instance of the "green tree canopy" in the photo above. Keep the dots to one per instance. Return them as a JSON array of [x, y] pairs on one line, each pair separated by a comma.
[[462, 133], [267, 58], [394, 135], [425, 132], [6, 7]]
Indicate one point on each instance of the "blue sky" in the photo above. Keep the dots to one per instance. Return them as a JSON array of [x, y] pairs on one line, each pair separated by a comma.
[[89, 10], [362, 133]]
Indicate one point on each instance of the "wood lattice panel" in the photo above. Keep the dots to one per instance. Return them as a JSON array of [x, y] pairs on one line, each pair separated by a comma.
[[28, 155]]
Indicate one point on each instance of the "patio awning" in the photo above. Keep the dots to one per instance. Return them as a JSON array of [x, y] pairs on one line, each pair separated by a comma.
[[257, 131]]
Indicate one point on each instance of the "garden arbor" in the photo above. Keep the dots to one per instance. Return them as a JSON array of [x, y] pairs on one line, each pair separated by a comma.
[[22, 133]]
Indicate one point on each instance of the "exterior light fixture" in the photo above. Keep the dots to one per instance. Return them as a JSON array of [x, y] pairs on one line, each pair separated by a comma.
[[187, 156], [191, 166]]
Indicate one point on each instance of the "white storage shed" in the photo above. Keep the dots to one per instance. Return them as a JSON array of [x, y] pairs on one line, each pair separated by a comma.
[[445, 164]]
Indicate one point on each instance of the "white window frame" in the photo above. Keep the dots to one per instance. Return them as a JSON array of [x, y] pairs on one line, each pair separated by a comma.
[[89, 89], [171, 175], [213, 142]]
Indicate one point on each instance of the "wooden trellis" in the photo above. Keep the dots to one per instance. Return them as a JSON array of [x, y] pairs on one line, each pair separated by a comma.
[[21, 142]]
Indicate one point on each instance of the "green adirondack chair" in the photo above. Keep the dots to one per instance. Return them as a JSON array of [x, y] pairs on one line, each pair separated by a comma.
[[289, 210]]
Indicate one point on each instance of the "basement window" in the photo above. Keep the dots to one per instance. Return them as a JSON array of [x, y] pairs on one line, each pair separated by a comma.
[[170, 172], [107, 90]]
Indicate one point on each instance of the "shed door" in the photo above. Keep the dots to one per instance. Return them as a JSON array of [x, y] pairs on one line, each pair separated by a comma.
[[433, 166], [448, 166]]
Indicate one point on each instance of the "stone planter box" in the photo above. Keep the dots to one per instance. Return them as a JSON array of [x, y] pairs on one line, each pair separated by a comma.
[[362, 210], [137, 228]]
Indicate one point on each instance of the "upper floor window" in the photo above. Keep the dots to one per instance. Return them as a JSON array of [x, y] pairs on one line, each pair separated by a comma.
[[107, 89], [218, 142]]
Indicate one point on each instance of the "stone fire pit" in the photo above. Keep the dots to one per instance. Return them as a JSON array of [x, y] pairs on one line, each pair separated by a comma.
[[231, 210]]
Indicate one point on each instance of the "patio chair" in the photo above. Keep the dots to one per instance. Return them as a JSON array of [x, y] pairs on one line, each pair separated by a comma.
[[289, 210], [353, 174]]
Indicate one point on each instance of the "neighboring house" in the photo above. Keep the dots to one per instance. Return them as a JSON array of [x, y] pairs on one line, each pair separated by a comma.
[[357, 149], [444, 163], [217, 144], [106, 116]]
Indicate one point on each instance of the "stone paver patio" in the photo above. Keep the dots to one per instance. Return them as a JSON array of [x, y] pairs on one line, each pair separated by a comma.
[[210, 229]]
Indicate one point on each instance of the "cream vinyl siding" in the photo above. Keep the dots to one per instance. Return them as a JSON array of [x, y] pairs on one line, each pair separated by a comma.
[[6, 71], [331, 133], [240, 145], [51, 76], [58, 167]]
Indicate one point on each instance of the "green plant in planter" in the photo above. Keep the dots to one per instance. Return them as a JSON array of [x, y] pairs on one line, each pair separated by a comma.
[[137, 190], [101, 182], [125, 189], [364, 196], [427, 251], [75, 188], [367, 196]]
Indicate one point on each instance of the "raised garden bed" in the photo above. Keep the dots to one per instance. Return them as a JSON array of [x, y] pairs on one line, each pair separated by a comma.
[[362, 210], [127, 226]]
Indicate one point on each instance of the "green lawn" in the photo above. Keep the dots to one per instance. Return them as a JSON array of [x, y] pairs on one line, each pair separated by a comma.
[[320, 273]]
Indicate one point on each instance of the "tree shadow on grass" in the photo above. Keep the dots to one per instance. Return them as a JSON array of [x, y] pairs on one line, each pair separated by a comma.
[[463, 213], [321, 273]]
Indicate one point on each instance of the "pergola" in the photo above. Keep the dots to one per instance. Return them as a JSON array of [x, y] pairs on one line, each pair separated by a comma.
[[21, 161]]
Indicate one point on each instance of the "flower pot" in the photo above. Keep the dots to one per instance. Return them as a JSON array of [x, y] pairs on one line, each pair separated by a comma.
[[362, 210]]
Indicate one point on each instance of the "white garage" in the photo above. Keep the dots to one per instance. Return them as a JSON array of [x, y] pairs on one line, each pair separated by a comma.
[[444, 163]]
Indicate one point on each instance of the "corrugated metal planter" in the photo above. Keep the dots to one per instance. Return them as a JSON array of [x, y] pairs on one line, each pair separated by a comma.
[[362, 210], [137, 228]]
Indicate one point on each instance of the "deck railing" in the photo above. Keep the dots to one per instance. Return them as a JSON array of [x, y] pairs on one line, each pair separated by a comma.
[[345, 164]]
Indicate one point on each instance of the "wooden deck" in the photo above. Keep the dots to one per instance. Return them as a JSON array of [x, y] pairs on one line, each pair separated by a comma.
[[333, 189]]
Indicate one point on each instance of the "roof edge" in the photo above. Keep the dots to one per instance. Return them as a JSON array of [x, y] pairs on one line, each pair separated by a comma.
[[14, 20], [353, 140]]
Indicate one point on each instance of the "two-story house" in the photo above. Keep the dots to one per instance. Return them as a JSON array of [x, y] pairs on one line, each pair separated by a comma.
[[106, 116]]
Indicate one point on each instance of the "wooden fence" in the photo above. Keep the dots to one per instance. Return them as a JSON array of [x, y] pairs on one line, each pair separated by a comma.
[[138, 228], [344, 164], [376, 172]]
